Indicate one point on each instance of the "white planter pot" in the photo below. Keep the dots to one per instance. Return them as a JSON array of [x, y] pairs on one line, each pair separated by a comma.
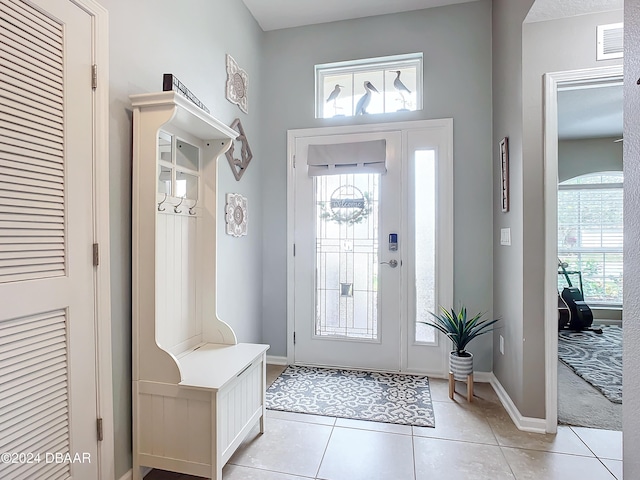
[[461, 367]]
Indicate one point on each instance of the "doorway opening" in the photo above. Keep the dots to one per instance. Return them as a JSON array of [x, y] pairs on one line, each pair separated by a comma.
[[571, 210], [370, 234]]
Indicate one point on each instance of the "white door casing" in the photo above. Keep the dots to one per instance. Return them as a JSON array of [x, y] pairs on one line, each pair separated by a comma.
[[54, 324], [396, 349], [553, 81]]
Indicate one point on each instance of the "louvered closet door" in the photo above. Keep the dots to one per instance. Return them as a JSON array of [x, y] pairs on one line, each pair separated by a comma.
[[47, 333]]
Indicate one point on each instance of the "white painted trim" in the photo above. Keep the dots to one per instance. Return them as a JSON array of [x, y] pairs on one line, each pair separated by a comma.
[[292, 135], [526, 424], [129, 474], [291, 148], [552, 81], [100, 53], [483, 377], [277, 360]]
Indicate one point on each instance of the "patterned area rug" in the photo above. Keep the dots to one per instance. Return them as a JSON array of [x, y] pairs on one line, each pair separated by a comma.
[[378, 397], [596, 358]]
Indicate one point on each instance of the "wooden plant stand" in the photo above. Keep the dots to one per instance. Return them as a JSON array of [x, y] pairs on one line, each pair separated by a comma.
[[452, 386]]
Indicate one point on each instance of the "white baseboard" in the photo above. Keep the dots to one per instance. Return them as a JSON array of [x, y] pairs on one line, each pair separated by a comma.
[[482, 377], [274, 360], [129, 474], [526, 424]]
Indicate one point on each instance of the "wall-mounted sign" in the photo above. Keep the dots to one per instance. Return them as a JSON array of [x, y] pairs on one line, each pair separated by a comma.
[[348, 204], [170, 82]]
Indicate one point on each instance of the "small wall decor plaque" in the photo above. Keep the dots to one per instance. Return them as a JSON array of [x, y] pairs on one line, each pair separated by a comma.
[[237, 80], [504, 173], [170, 82], [236, 214], [239, 165]]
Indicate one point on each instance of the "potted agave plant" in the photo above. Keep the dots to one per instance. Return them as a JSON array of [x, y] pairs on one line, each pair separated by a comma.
[[461, 330]]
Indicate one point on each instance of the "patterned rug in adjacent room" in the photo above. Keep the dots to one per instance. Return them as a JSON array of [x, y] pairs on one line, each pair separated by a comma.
[[378, 397], [596, 358]]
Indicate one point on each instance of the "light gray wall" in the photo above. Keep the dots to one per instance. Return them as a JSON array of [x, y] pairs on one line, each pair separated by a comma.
[[508, 289], [149, 38], [521, 55], [557, 45], [631, 341], [589, 155], [456, 41]]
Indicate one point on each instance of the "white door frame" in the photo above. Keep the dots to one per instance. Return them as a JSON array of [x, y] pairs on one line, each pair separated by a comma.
[[445, 274], [104, 379], [552, 82]]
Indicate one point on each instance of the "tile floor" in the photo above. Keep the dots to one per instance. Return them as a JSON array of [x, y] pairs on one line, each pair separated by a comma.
[[299, 447]]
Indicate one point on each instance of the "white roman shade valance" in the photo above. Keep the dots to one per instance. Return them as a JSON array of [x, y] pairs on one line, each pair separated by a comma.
[[342, 158]]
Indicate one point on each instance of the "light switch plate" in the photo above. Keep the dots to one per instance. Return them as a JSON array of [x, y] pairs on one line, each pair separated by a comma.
[[505, 236]]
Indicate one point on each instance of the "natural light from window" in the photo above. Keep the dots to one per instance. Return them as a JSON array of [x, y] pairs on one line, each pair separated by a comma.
[[590, 235], [369, 86]]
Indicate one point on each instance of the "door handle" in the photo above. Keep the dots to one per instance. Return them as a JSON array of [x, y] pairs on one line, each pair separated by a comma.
[[391, 263]]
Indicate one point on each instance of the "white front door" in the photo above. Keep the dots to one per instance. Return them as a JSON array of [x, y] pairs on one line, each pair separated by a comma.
[[47, 288], [371, 251], [343, 290]]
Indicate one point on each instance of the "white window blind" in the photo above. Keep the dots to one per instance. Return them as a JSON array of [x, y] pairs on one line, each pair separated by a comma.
[[343, 158], [590, 235]]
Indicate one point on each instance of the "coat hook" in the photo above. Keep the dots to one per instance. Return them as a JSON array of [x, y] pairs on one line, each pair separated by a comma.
[[175, 209], [160, 207], [191, 208]]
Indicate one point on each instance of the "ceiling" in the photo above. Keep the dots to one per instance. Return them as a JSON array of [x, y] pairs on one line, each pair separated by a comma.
[[542, 10], [276, 14]]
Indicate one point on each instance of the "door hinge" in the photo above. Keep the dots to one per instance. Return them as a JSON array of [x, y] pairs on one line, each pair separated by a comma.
[[294, 249], [99, 429], [294, 161], [94, 76], [96, 255], [294, 338]]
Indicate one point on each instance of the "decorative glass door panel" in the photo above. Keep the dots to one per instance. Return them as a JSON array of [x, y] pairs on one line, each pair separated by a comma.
[[347, 230], [424, 210]]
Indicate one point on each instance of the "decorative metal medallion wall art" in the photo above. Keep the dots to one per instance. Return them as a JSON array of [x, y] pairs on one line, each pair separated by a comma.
[[237, 80], [239, 165], [236, 214]]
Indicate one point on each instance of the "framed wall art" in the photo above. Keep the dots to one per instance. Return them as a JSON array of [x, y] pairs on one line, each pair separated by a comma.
[[504, 173]]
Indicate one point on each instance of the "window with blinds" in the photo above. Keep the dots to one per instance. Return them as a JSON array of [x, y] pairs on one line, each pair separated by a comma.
[[590, 235]]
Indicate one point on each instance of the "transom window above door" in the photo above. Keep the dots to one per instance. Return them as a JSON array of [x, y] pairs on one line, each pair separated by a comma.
[[369, 86]]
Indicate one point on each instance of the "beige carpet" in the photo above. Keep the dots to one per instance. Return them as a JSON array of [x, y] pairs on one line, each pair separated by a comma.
[[582, 405]]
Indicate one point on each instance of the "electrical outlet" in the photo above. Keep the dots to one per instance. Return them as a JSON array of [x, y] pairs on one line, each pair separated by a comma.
[[501, 344]]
